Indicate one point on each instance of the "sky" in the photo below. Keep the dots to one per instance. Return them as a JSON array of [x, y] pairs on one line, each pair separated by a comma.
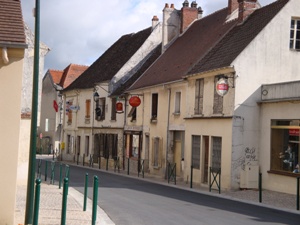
[[79, 31]]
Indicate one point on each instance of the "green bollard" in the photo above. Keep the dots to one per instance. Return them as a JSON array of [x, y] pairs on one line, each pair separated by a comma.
[[298, 179], [191, 182], [67, 171], [60, 176], [64, 202], [107, 163], [46, 170], [95, 200], [36, 202], [128, 167], [260, 187], [85, 191]]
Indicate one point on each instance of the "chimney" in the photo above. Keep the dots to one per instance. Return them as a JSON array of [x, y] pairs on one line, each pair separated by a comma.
[[200, 13], [232, 6], [154, 22], [170, 25], [246, 7], [188, 14]]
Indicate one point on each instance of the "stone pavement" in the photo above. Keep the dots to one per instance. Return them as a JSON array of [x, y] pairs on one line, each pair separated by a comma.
[[51, 204], [51, 200]]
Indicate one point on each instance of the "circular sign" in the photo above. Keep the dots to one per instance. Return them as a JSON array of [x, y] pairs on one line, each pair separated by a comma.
[[222, 87], [134, 101]]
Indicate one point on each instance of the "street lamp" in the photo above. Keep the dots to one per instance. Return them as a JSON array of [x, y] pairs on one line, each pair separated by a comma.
[[96, 96]]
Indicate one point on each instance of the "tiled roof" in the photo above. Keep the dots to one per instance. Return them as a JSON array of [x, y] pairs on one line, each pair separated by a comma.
[[151, 58], [71, 73], [225, 52], [11, 23], [187, 50], [209, 43], [108, 64], [56, 75]]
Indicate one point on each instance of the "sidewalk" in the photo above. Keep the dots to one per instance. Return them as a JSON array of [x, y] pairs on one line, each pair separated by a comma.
[[51, 200], [51, 204]]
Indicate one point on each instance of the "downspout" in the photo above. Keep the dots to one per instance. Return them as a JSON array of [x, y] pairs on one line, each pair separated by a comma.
[[168, 124], [124, 136], [5, 55]]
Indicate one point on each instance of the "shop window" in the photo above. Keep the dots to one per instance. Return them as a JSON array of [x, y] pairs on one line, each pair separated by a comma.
[[196, 151], [106, 145], [68, 143], [78, 141], [285, 145], [199, 86], [154, 107], [216, 152], [218, 100], [295, 34]]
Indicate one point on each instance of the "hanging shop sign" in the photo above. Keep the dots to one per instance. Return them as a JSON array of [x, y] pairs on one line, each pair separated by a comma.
[[119, 107], [134, 101], [222, 87]]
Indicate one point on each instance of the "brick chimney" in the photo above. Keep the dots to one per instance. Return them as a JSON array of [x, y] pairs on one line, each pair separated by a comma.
[[170, 25], [188, 14], [154, 22], [246, 7], [232, 6]]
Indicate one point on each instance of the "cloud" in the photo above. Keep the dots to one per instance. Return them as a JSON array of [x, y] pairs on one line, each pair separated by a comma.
[[79, 31]]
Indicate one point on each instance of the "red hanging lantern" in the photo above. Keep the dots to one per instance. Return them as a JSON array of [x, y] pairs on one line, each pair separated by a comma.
[[134, 101], [119, 107]]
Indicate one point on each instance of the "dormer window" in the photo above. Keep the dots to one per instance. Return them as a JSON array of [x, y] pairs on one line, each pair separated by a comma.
[[295, 34]]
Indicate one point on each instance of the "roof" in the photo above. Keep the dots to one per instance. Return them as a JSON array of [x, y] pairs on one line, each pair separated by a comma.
[[209, 43], [153, 55], [71, 73], [11, 23], [112, 60], [186, 50], [65, 77], [228, 49]]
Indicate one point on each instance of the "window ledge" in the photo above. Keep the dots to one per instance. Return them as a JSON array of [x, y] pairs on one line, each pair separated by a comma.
[[176, 113], [283, 173]]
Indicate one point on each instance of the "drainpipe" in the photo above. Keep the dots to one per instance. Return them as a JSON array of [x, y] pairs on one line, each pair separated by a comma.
[[168, 124], [4, 55]]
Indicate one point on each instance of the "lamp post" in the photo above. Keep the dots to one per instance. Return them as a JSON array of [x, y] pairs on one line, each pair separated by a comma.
[[33, 133], [96, 99]]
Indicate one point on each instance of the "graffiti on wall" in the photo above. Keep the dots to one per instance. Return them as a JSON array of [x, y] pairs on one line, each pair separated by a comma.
[[249, 156]]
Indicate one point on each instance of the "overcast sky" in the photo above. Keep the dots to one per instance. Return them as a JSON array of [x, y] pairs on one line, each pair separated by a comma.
[[79, 31]]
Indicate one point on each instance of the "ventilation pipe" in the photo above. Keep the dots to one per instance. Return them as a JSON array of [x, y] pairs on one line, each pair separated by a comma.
[[5, 56]]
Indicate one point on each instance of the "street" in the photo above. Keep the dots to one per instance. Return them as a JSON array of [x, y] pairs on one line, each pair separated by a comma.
[[132, 201]]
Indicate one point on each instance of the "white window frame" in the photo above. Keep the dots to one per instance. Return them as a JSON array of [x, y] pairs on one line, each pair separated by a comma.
[[295, 27], [177, 102]]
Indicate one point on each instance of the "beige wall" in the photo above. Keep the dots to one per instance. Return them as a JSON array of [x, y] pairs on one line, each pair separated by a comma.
[[10, 92]]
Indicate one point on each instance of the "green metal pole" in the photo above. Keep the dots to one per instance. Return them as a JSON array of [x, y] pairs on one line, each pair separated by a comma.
[[298, 193], [60, 176], [95, 200], [37, 202], [46, 170], [85, 191], [64, 202], [260, 187], [191, 180], [33, 132]]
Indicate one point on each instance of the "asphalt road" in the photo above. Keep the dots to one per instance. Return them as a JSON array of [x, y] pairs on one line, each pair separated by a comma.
[[131, 201]]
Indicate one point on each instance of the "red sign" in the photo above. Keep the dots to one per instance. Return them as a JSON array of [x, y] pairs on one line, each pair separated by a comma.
[[222, 87], [55, 106], [119, 107], [134, 101], [294, 132]]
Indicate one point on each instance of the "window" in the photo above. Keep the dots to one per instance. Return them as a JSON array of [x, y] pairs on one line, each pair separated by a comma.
[[100, 109], [156, 151], [199, 96], [216, 152], [177, 102], [78, 140], [68, 144], [154, 106], [106, 145], [132, 114], [218, 100], [113, 109], [196, 151], [87, 146], [295, 34], [285, 145], [69, 111], [87, 110]]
